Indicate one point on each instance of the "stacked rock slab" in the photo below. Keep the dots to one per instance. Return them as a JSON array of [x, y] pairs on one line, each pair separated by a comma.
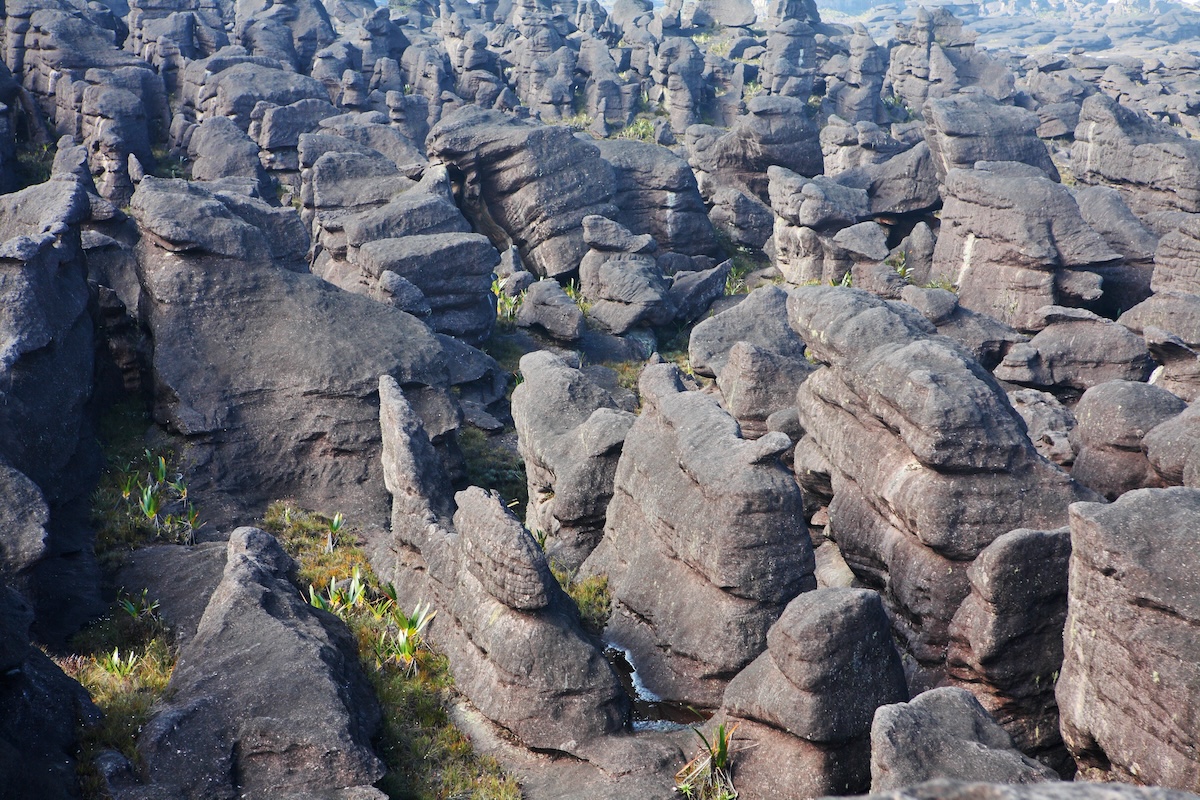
[[1012, 241], [1113, 419], [804, 707], [1154, 167], [1006, 637], [965, 128], [930, 463], [513, 637], [943, 789], [570, 432], [543, 217], [1128, 693], [46, 371], [268, 695], [695, 594]]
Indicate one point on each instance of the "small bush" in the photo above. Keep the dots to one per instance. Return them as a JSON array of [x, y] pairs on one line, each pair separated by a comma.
[[641, 129], [493, 466], [591, 595]]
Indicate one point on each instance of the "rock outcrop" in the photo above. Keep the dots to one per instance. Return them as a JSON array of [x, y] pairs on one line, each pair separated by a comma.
[[694, 595], [1127, 693]]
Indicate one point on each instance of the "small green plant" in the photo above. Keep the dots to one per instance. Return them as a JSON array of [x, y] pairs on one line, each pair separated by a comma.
[[941, 283], [167, 165], [34, 164], [138, 607], [846, 282], [494, 466], [751, 90], [580, 122], [709, 776], [114, 664], [426, 756], [899, 262], [591, 595], [641, 129], [507, 306], [335, 527], [575, 292]]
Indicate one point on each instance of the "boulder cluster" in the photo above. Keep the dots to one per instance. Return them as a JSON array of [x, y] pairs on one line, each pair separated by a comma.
[[854, 362]]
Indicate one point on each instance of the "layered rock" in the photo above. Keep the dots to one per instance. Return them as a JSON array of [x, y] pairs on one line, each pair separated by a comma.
[[804, 707], [760, 320], [822, 228], [1075, 349], [1155, 168], [621, 278], [757, 382], [965, 128], [1127, 693], [929, 462], [935, 57], [656, 193], [1013, 241], [1113, 419], [543, 217], [570, 432], [513, 637], [1006, 639], [300, 420], [46, 371], [694, 595]]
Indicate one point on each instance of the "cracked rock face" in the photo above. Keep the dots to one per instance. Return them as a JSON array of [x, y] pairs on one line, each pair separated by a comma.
[[1132, 622], [694, 596]]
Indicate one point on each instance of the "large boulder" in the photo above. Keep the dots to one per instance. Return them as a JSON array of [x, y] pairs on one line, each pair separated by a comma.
[[498, 154], [761, 320], [804, 707], [1132, 622], [263, 418], [1012, 241], [268, 696], [965, 128], [694, 594], [1154, 167], [46, 372], [929, 462], [570, 431], [945, 733]]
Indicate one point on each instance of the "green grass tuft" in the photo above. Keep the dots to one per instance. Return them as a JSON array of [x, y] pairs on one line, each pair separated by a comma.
[[493, 466]]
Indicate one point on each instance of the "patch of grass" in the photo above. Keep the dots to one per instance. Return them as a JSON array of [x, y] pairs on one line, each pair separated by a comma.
[[641, 129], [709, 775], [628, 373], [426, 756], [575, 292], [506, 305], [580, 121], [124, 660], [141, 496], [941, 283], [751, 90], [494, 467], [169, 166], [744, 261], [591, 595], [34, 164]]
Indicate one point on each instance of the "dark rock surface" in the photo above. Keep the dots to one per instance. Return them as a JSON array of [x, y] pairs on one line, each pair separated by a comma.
[[707, 588], [1131, 623], [268, 695]]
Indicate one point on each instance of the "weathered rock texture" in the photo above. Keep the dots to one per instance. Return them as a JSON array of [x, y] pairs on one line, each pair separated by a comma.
[[570, 432], [46, 371], [945, 733], [694, 594], [1155, 168], [497, 155], [804, 707], [1128, 691], [263, 417], [1013, 241], [268, 696], [929, 462], [513, 637]]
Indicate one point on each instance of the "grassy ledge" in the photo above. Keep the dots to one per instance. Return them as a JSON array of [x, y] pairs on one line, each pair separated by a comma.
[[426, 756]]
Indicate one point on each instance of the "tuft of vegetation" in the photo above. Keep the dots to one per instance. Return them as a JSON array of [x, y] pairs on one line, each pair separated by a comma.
[[575, 292], [745, 260], [580, 121], [494, 467], [506, 306], [35, 162], [426, 756], [641, 129], [124, 660], [942, 283], [167, 165], [709, 776], [752, 89], [591, 595]]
